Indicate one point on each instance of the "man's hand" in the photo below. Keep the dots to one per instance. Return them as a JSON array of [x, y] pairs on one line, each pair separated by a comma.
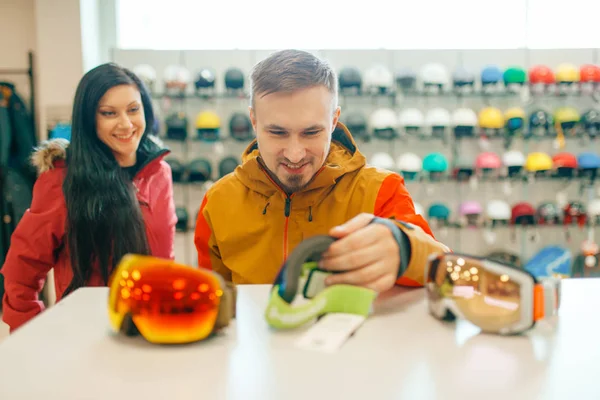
[[368, 252]]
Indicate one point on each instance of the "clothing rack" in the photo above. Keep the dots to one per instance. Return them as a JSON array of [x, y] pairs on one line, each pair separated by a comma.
[[30, 73]]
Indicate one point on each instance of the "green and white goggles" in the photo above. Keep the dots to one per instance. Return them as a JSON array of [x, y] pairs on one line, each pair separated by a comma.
[[299, 294]]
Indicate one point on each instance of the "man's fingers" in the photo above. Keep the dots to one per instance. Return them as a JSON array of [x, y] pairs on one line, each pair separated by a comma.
[[382, 283], [354, 224], [358, 277], [345, 261], [357, 240]]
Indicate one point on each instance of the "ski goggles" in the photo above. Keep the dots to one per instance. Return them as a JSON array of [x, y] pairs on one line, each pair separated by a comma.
[[167, 302], [299, 293], [496, 297]]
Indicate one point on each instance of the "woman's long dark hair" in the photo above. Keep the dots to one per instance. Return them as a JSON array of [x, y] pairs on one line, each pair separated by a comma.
[[104, 219]]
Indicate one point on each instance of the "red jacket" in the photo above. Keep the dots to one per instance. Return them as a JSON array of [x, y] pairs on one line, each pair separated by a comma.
[[37, 244]]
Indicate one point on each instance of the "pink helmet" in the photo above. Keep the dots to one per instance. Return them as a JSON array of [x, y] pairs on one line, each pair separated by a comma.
[[470, 208], [488, 160]]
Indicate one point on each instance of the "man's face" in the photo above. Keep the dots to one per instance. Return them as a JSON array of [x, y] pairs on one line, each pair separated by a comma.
[[293, 131]]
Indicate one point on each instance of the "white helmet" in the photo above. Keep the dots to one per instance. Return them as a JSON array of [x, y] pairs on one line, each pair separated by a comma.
[[146, 73], [419, 209], [411, 118], [384, 123], [498, 210], [437, 117], [383, 161], [593, 208], [378, 78], [409, 162], [513, 158], [464, 117], [177, 76], [435, 74]]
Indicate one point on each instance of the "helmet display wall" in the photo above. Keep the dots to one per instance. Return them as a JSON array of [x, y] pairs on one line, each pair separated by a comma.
[[492, 144]]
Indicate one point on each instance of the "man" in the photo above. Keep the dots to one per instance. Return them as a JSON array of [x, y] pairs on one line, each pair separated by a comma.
[[299, 179]]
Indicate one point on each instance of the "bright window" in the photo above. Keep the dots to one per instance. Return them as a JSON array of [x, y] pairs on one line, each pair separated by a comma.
[[563, 25], [368, 24]]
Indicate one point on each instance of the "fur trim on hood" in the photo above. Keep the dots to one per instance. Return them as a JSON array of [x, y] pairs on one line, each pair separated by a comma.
[[52, 150], [47, 152]]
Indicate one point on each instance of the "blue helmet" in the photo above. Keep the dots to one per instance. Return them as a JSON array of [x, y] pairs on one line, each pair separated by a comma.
[[588, 160], [62, 131], [491, 74]]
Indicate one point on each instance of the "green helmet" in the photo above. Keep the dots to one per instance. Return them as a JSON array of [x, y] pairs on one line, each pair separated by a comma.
[[515, 75], [435, 162]]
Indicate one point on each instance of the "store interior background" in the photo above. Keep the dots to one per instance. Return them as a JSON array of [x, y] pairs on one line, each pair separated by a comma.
[[69, 37]]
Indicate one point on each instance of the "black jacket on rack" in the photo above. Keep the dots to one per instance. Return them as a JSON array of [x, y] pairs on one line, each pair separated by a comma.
[[17, 175]]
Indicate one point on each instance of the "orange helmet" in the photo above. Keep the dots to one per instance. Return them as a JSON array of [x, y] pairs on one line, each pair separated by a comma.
[[589, 73], [541, 74]]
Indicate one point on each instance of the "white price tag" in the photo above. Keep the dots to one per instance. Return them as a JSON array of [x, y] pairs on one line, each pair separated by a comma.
[[473, 183], [561, 199], [218, 149], [525, 94], [507, 188], [329, 333], [489, 236]]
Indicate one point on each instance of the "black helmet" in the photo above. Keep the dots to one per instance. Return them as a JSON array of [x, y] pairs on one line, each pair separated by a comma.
[[350, 77], [505, 257], [540, 124], [182, 219], [548, 213], [227, 165], [177, 168], [234, 78], [177, 124], [240, 127], [406, 79], [356, 123], [591, 122], [206, 79], [200, 170]]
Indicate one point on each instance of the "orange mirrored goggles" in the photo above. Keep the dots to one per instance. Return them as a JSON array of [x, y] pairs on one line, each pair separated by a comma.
[[167, 302], [496, 297]]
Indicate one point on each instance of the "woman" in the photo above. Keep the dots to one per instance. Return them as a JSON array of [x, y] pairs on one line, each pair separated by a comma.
[[105, 194]]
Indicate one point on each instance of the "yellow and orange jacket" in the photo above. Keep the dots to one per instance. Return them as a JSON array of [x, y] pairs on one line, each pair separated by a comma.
[[247, 225]]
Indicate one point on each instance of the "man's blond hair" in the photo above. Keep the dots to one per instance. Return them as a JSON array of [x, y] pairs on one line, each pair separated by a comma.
[[291, 70]]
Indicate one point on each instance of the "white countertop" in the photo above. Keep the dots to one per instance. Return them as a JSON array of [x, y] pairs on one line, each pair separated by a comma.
[[401, 352]]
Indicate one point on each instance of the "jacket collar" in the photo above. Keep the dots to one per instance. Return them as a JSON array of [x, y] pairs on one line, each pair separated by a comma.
[[343, 157]]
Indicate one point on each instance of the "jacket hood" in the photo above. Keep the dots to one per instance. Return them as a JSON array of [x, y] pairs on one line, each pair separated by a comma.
[[49, 152], [344, 157]]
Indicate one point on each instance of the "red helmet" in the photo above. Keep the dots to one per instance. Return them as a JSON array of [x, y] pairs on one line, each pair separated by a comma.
[[488, 160], [541, 74], [589, 73], [565, 164], [574, 212], [564, 160], [522, 214]]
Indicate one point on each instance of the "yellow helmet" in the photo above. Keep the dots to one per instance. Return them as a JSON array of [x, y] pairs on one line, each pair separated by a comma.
[[208, 126], [208, 120], [564, 115], [491, 118], [514, 112], [514, 118], [567, 73], [538, 161]]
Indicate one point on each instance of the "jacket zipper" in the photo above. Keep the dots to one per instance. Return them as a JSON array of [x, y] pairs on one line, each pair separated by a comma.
[[287, 209]]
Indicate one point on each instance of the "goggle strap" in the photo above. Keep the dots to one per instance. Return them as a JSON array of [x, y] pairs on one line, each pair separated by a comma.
[[538, 302], [227, 306], [546, 298]]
